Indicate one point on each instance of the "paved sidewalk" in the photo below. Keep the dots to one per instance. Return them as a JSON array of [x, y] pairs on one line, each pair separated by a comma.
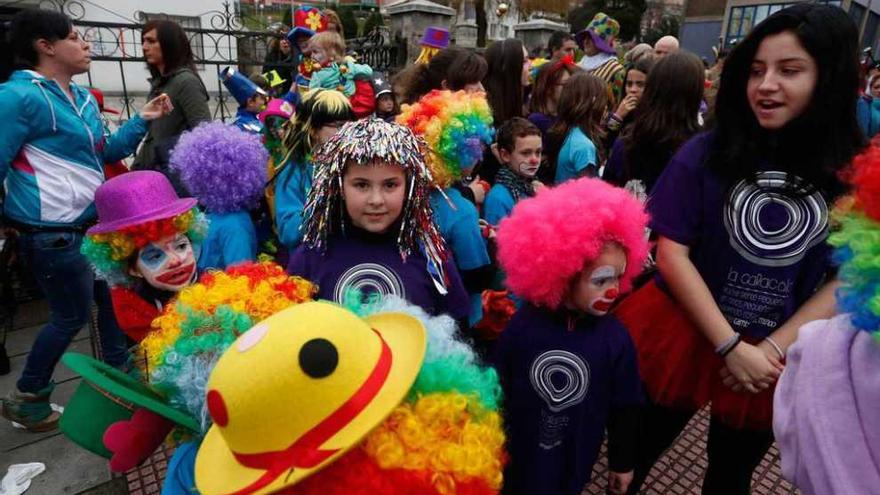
[[72, 470], [69, 468]]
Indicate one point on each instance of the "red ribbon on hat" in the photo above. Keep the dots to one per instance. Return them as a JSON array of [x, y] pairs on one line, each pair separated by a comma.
[[306, 452]]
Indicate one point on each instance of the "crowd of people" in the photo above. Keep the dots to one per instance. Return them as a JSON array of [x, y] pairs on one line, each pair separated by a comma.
[[596, 243]]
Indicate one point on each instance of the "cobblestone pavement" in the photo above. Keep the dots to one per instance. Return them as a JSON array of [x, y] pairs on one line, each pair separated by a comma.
[[680, 470]]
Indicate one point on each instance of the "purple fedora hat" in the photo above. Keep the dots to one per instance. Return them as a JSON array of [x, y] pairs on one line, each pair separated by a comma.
[[134, 198]]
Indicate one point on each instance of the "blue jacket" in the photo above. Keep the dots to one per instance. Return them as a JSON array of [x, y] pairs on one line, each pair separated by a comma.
[[53, 150], [247, 121], [231, 239], [292, 186], [868, 114]]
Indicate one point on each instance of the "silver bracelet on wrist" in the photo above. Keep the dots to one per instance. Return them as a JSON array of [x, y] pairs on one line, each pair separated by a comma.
[[775, 346]]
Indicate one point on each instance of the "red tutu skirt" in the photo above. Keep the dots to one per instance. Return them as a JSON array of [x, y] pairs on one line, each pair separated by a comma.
[[679, 366]]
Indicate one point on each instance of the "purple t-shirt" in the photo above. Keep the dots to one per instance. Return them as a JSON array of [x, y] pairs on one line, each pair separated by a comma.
[[760, 248], [560, 385], [372, 263]]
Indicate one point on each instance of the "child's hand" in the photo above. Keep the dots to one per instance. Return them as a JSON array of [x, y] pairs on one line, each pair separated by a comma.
[[618, 483], [626, 106], [751, 368]]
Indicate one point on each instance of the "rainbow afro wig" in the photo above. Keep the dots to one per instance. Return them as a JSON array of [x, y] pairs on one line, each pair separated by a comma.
[[456, 127], [567, 227], [110, 253], [858, 245], [191, 334], [221, 166], [445, 438]]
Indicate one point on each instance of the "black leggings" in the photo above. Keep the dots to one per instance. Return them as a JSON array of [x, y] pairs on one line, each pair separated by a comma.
[[733, 453]]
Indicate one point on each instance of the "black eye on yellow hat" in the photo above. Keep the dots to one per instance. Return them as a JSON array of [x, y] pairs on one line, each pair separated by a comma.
[[300, 389]]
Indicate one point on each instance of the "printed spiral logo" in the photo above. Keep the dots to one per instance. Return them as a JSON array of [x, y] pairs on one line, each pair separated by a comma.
[[801, 219], [369, 278], [570, 374]]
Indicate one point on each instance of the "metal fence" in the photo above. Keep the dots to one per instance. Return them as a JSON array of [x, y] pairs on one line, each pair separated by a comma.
[[226, 41]]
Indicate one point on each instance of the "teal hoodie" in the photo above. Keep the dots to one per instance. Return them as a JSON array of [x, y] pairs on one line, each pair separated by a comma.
[[53, 150]]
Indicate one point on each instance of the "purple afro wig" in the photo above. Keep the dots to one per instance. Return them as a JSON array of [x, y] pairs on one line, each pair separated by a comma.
[[548, 239], [221, 166]]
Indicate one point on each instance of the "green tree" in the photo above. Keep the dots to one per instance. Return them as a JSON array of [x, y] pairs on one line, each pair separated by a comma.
[[669, 25], [349, 23], [375, 20], [627, 12]]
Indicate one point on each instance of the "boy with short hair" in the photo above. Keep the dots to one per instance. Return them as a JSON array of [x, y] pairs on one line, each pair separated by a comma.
[[251, 100], [519, 149]]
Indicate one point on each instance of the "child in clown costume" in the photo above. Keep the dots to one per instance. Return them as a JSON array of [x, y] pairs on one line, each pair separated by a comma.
[[568, 368], [144, 245], [225, 169], [825, 405], [188, 338], [456, 126], [250, 97], [374, 399], [307, 21], [369, 224]]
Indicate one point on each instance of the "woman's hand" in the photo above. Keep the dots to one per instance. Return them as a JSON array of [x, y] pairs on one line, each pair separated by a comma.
[[159, 106], [751, 368]]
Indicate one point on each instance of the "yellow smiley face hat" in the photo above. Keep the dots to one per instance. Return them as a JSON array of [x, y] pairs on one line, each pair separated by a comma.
[[298, 390]]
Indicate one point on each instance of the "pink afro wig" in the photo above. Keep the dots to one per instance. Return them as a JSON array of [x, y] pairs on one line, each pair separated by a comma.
[[548, 239]]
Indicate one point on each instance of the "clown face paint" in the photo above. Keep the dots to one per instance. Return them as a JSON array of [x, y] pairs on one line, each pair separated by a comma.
[[595, 289], [167, 264], [525, 159]]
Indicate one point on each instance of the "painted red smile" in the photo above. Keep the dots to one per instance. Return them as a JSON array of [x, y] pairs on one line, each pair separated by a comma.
[[179, 276], [602, 305]]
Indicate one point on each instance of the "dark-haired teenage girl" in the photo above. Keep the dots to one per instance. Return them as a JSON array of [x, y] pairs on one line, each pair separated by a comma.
[[742, 219], [171, 63], [505, 84], [634, 82], [452, 68], [666, 117], [552, 77], [576, 138]]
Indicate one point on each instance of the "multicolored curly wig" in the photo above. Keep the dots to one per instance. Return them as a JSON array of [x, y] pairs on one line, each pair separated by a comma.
[[317, 108], [858, 244], [566, 227], [371, 141], [111, 254], [191, 334], [446, 438], [456, 126], [221, 166]]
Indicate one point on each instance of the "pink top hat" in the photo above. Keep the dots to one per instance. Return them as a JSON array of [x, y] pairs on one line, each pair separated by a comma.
[[278, 108], [135, 198]]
